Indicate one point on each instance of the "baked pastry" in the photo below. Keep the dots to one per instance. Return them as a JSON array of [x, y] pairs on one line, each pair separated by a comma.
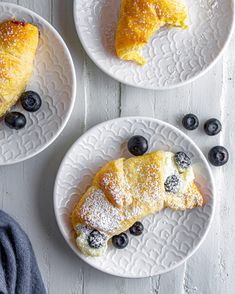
[[18, 44], [126, 190], [140, 19]]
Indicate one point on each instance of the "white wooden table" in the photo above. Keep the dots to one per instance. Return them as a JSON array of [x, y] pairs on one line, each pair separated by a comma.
[[26, 189]]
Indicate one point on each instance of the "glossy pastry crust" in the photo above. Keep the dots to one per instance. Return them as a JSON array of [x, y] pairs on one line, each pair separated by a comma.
[[126, 190], [140, 19], [18, 44]]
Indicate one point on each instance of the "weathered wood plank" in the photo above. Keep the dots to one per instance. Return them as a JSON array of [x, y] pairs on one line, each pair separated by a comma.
[[102, 95], [227, 184], [10, 1], [42, 7]]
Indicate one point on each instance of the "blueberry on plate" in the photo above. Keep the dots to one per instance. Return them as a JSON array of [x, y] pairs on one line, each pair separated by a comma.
[[182, 161], [96, 239], [137, 229], [31, 101], [172, 184], [15, 120], [212, 126], [190, 122], [137, 145], [120, 241], [218, 156]]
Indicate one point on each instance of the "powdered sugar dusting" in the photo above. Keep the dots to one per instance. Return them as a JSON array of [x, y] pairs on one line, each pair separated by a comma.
[[115, 189], [133, 213], [147, 189], [100, 213], [119, 189]]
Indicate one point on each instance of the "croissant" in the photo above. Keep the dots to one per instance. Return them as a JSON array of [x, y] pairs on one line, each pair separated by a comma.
[[18, 44], [125, 191], [140, 19]]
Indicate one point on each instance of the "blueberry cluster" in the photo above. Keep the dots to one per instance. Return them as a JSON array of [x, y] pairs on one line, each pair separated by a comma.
[[31, 102], [121, 241], [218, 155]]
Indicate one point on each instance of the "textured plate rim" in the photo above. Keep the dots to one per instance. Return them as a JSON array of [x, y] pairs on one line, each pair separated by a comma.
[[73, 82], [179, 84], [203, 158]]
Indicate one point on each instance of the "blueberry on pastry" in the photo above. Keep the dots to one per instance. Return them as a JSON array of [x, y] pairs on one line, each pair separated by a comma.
[[182, 161], [124, 191], [18, 44]]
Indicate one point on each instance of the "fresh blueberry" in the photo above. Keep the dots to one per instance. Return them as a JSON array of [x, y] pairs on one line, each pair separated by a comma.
[[137, 145], [182, 161], [96, 239], [190, 121], [136, 229], [15, 120], [212, 126], [172, 184], [218, 156], [120, 241], [31, 101]]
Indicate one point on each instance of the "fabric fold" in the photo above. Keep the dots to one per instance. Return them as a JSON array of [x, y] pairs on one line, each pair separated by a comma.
[[19, 272]]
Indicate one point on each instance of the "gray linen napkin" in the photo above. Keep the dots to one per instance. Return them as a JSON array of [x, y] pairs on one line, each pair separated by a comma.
[[19, 273]]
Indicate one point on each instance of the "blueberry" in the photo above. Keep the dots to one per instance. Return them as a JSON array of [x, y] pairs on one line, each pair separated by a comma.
[[218, 156], [212, 126], [120, 241], [31, 101], [172, 184], [182, 161], [96, 239], [137, 145], [15, 120], [190, 121], [136, 229]]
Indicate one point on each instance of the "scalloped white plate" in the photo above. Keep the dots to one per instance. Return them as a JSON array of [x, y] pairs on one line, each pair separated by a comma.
[[54, 79], [174, 56], [170, 237]]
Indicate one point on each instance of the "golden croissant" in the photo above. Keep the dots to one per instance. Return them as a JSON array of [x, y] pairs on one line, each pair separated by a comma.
[[126, 190], [140, 19], [18, 44]]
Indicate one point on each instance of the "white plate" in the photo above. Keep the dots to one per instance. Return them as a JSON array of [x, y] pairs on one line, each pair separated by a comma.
[[174, 56], [170, 237], [54, 79]]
